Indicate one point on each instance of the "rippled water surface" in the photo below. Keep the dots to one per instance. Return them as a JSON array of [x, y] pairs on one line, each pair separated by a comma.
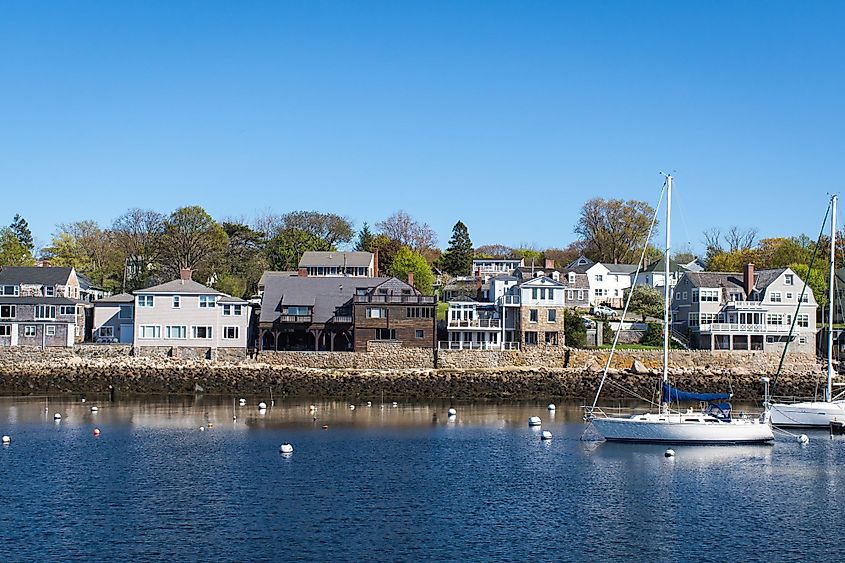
[[395, 483]]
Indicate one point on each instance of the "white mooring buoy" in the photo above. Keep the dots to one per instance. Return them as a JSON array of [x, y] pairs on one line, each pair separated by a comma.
[[669, 453], [803, 439], [352, 407], [546, 435], [57, 416], [286, 448], [453, 412], [242, 401], [534, 421], [369, 403], [262, 406], [551, 406], [7, 439], [95, 409], [395, 404]]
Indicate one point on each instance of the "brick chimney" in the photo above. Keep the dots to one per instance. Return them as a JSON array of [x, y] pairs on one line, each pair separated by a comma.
[[185, 274], [375, 262], [748, 279], [550, 264], [411, 279], [302, 273]]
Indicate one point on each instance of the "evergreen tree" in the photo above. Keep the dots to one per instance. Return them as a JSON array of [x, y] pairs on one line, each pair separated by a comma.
[[20, 228], [365, 239], [457, 260]]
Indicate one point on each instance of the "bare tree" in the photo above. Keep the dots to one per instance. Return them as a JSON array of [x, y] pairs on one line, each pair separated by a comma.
[[138, 235], [409, 232], [740, 239], [613, 230]]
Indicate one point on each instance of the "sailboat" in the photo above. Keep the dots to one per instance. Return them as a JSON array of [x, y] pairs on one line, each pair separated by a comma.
[[808, 414], [712, 425]]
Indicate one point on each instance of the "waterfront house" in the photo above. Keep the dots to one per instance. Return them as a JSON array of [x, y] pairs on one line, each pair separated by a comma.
[[475, 325], [607, 282], [751, 310], [185, 314], [539, 315], [40, 306], [114, 319], [334, 263], [300, 312], [653, 275], [487, 267], [466, 286]]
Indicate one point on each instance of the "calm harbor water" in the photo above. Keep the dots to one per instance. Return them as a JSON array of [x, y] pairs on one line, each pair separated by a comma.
[[394, 484]]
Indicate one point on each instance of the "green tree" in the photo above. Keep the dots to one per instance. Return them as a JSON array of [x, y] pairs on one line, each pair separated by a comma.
[[407, 260], [243, 262], [232, 284], [66, 251], [365, 239], [387, 250], [192, 239], [574, 330], [816, 280], [12, 252], [733, 260], [494, 251], [614, 230], [286, 248], [646, 300], [20, 228], [329, 227], [457, 260], [653, 335]]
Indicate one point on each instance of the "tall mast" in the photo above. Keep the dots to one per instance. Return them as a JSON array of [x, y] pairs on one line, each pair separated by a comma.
[[830, 301], [666, 279]]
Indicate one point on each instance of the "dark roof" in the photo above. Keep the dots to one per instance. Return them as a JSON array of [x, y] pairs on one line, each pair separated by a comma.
[[230, 299], [324, 294], [116, 299], [582, 281], [659, 266], [180, 286], [762, 278], [37, 300], [620, 268], [335, 258], [48, 275]]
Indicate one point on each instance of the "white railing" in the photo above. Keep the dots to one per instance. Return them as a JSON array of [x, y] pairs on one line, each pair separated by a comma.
[[756, 305], [744, 328], [449, 345], [475, 323]]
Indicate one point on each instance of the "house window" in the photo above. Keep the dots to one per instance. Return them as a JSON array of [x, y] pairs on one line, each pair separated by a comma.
[[789, 295], [125, 312], [773, 319], [230, 310], [706, 318], [45, 311], [50, 290], [51, 330], [551, 338], [709, 295], [776, 297], [802, 340], [580, 295], [788, 279], [149, 331], [145, 301], [8, 311], [552, 315], [207, 301], [684, 296], [803, 320], [805, 298], [533, 293], [419, 333], [29, 331], [5, 330], [201, 332], [693, 319], [297, 311], [176, 302], [531, 337], [599, 277], [376, 312], [67, 309], [176, 332], [385, 334], [106, 331], [533, 315], [11, 290], [230, 332], [419, 312]]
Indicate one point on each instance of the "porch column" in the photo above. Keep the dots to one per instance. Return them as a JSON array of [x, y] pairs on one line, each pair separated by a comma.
[[331, 341]]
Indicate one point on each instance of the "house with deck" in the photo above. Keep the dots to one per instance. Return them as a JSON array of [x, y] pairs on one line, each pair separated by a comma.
[[184, 314], [40, 306], [337, 263], [748, 310]]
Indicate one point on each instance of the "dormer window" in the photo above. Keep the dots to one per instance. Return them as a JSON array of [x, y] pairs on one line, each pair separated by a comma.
[[14, 290], [50, 290], [788, 279]]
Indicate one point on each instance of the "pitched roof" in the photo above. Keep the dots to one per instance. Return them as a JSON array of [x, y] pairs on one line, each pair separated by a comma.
[[762, 278], [230, 299], [324, 294], [334, 258], [545, 280], [114, 299], [659, 266], [620, 268], [180, 286], [36, 275]]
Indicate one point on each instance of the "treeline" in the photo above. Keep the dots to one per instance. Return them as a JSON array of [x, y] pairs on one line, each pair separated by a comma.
[[142, 246]]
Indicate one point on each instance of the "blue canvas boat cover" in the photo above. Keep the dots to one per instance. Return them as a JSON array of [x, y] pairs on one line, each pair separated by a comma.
[[672, 395]]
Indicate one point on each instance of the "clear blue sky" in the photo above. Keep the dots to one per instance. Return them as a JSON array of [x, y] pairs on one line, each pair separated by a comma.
[[507, 115]]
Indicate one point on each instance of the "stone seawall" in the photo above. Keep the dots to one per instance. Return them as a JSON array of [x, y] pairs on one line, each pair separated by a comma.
[[398, 372]]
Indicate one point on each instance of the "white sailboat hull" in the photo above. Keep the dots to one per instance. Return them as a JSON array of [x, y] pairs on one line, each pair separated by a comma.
[[808, 414], [683, 429]]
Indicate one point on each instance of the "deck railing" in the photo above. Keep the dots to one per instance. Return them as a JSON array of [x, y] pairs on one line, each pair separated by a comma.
[[395, 299], [449, 345], [474, 323]]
